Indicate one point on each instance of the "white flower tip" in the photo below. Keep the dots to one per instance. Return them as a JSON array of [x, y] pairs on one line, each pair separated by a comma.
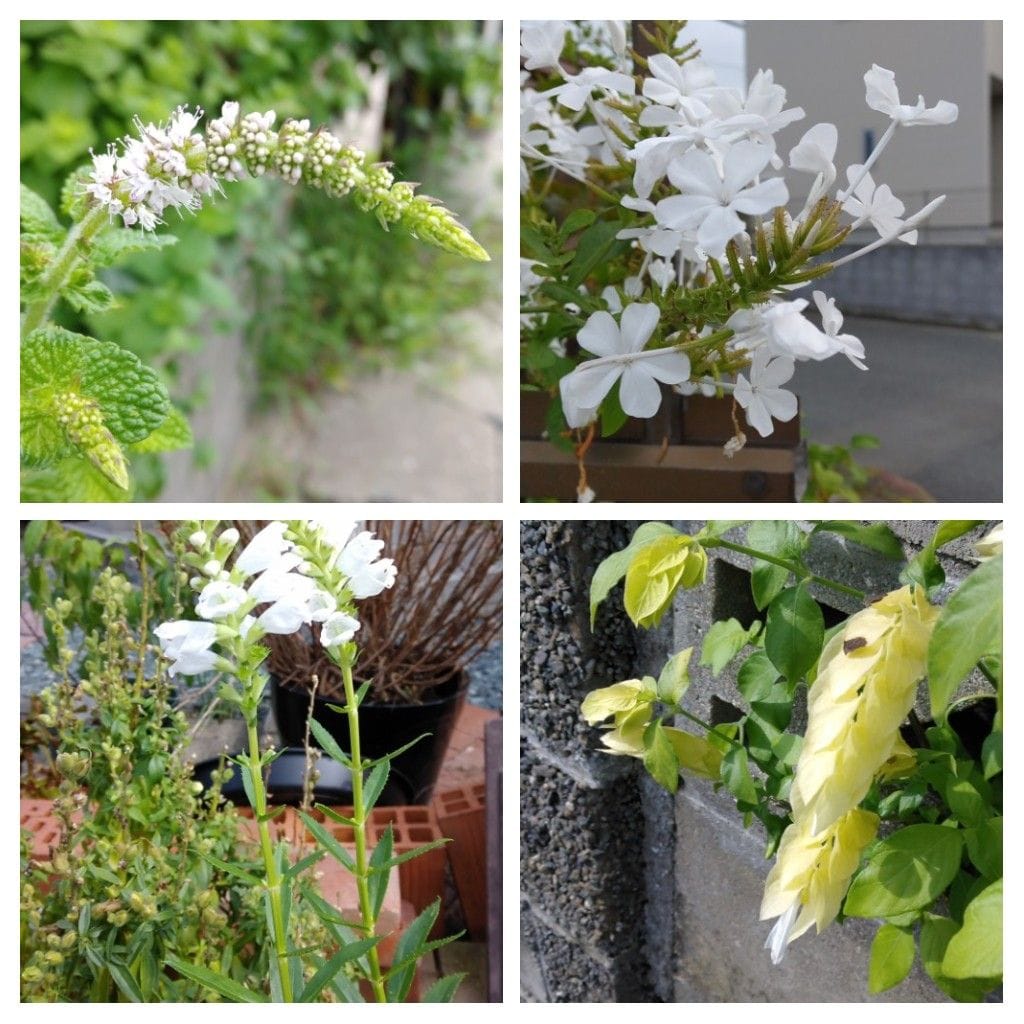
[[198, 539], [586, 495]]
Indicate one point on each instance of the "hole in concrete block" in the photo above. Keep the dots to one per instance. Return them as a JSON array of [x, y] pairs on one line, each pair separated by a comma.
[[832, 616], [722, 711], [732, 598]]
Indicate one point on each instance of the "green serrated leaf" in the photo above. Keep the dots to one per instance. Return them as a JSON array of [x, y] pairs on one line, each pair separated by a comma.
[[88, 296], [412, 941], [443, 990], [219, 983], [328, 842], [38, 219], [174, 434], [116, 244]]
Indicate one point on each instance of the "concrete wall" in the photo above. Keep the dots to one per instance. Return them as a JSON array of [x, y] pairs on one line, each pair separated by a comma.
[[822, 65], [629, 894], [946, 284]]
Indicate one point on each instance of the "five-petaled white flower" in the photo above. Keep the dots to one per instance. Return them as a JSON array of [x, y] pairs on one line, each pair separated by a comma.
[[761, 397], [712, 202], [832, 324], [540, 44], [876, 204], [620, 348], [882, 95]]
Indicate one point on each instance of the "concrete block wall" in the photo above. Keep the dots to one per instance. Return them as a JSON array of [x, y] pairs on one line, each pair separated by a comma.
[[946, 284], [629, 894]]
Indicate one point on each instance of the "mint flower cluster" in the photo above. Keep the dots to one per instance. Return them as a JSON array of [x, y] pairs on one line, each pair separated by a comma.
[[176, 166]]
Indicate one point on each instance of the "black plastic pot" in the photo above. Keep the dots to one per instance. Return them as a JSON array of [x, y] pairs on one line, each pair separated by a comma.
[[382, 729], [286, 777]]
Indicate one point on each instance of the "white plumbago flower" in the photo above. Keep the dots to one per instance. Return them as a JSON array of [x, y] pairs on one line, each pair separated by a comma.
[[263, 550], [760, 114], [338, 628], [832, 324], [712, 202], [675, 85], [761, 397], [814, 154], [220, 599], [882, 95], [875, 204], [366, 577], [620, 348], [188, 644], [540, 44], [654, 239], [782, 329], [662, 273], [577, 89]]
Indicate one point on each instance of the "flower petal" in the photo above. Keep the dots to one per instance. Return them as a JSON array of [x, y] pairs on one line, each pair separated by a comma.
[[600, 335], [743, 163], [718, 227], [587, 385], [638, 321], [695, 173], [639, 393], [669, 367], [681, 213]]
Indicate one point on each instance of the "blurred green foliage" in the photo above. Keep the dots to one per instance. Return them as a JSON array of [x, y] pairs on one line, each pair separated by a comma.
[[328, 289]]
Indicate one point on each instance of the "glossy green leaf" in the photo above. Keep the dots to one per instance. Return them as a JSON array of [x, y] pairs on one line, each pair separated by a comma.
[[794, 632], [906, 871], [892, 956], [875, 536], [736, 775], [674, 680], [970, 627], [936, 933], [660, 757], [757, 676], [976, 951], [723, 641], [985, 847], [613, 568]]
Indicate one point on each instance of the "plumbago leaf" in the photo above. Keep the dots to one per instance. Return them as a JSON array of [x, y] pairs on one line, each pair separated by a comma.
[[80, 396]]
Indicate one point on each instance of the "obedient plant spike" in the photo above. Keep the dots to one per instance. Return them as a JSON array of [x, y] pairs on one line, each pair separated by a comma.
[[175, 166]]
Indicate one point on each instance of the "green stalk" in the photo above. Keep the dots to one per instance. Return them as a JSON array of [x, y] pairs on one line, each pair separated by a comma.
[[794, 567], [359, 817], [269, 864], [57, 276]]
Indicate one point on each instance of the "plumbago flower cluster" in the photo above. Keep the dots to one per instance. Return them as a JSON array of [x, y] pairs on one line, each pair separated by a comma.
[[685, 273], [289, 577], [87, 405], [870, 812]]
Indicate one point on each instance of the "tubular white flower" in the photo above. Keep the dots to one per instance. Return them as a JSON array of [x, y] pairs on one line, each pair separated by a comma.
[[338, 628], [366, 577], [220, 599], [263, 550], [187, 644]]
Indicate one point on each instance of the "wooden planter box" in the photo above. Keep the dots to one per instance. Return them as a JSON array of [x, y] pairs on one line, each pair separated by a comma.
[[636, 465]]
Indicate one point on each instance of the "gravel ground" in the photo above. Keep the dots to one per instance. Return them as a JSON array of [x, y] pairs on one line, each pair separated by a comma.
[[485, 679]]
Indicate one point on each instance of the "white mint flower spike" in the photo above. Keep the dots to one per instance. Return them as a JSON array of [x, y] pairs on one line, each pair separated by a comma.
[[620, 348], [761, 397], [711, 203]]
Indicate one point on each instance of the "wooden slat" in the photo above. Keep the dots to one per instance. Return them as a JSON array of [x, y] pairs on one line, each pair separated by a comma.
[[632, 472], [493, 811]]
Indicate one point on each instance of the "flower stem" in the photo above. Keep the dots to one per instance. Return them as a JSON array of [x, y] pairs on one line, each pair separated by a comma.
[[359, 818], [269, 863], [794, 567], [60, 270]]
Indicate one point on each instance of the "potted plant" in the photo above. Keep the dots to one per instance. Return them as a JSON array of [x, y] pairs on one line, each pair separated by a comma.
[[417, 639]]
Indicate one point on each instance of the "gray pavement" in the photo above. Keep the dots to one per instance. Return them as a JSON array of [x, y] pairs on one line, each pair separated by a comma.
[[933, 397]]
